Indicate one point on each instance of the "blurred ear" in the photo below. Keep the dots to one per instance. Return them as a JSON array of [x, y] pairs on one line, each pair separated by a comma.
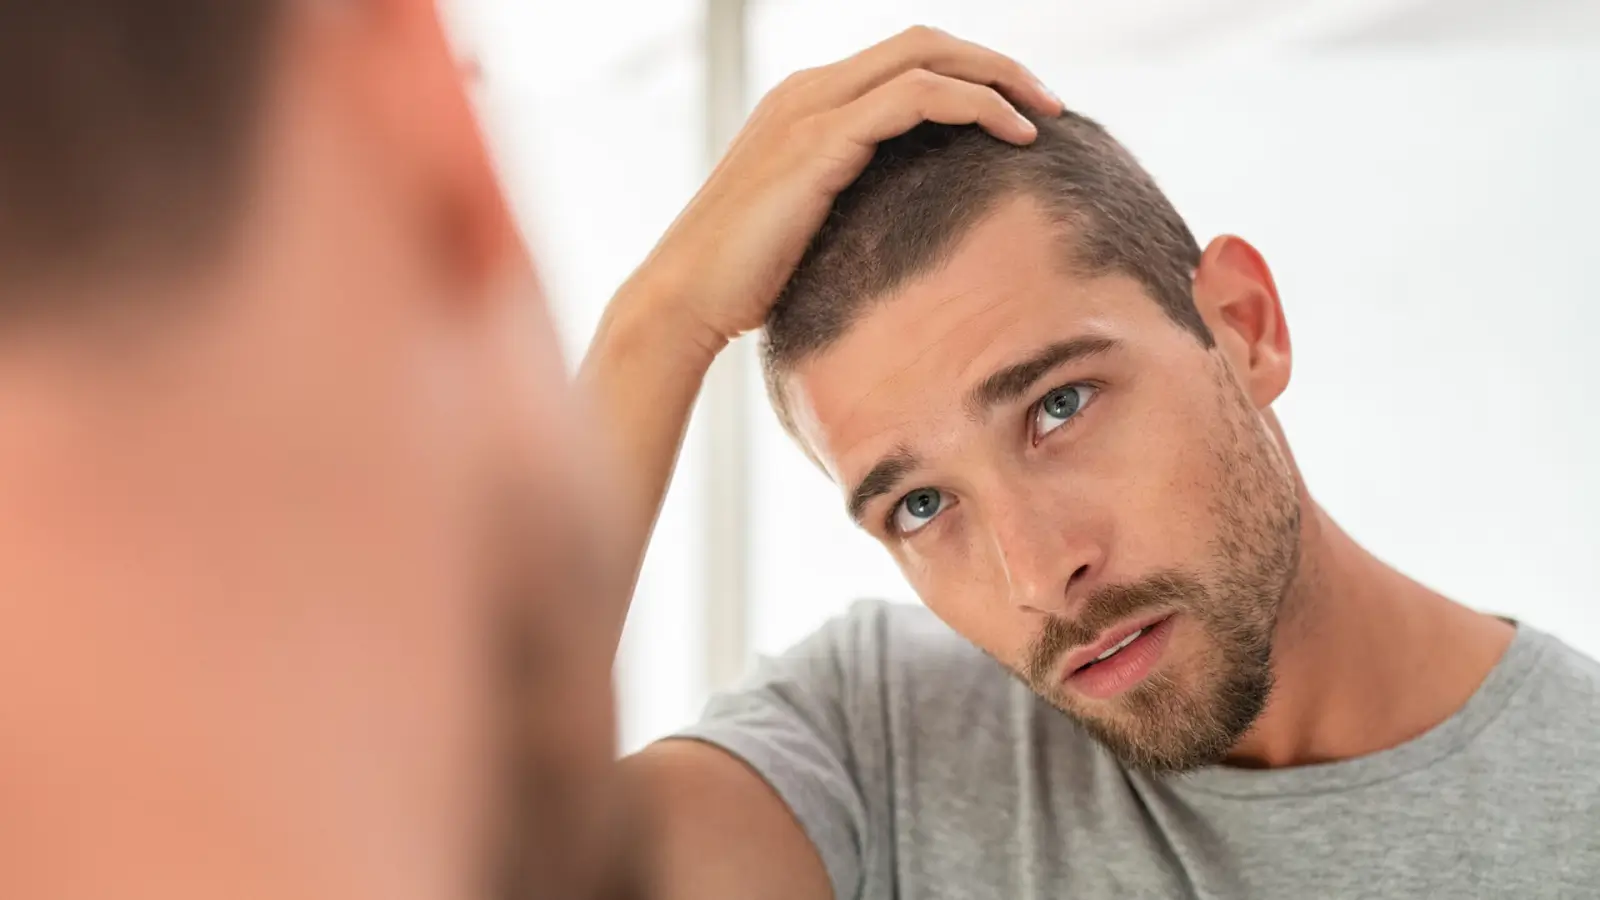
[[416, 88], [1235, 294]]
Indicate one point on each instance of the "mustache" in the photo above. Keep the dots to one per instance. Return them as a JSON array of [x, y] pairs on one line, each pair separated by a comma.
[[1104, 608]]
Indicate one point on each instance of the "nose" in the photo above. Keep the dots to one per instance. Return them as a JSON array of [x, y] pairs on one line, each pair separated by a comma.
[[1047, 554]]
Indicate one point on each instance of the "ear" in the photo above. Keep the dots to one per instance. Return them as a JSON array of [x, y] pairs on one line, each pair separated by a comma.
[[421, 85], [1236, 296]]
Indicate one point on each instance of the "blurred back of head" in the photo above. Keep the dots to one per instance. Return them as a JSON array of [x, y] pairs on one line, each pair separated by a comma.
[[125, 128], [297, 543]]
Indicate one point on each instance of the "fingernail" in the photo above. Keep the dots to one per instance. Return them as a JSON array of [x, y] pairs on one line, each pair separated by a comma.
[[1049, 93]]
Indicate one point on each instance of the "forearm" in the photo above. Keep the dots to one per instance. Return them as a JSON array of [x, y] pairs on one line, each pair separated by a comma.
[[640, 380]]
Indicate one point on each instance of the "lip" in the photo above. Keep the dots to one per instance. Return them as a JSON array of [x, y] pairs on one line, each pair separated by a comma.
[[1131, 665], [1109, 638]]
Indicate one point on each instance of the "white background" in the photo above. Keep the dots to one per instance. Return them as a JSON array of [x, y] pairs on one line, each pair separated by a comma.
[[1423, 177]]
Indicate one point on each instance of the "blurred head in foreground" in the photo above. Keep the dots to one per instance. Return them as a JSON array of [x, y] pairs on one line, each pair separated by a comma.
[[292, 546]]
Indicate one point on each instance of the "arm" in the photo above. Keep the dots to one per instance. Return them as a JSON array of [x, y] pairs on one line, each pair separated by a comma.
[[641, 376], [717, 830], [781, 789]]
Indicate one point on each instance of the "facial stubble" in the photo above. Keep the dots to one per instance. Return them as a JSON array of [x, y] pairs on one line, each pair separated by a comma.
[[1192, 712]]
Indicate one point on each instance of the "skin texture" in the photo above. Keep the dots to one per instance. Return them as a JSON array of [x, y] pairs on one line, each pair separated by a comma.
[[301, 573]]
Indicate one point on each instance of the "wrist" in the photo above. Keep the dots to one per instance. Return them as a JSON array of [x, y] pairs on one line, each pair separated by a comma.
[[652, 315]]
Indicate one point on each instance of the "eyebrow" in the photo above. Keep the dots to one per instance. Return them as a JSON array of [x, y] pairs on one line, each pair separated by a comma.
[[1002, 387], [1013, 381], [880, 480]]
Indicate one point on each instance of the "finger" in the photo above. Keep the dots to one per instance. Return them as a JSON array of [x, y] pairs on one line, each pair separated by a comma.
[[922, 96], [936, 51]]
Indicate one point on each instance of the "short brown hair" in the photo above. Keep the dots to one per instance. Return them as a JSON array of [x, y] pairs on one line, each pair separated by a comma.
[[924, 190], [123, 124]]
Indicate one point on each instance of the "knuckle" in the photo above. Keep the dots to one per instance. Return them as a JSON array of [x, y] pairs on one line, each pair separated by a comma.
[[1015, 71], [786, 94], [920, 82], [781, 91], [794, 80], [922, 40]]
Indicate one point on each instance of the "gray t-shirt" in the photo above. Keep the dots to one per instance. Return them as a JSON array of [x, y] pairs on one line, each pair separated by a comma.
[[921, 769]]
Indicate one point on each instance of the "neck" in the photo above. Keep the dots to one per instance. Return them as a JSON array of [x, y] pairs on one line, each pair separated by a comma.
[[1365, 658]]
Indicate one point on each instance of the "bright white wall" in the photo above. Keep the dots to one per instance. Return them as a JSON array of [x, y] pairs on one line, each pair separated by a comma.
[[1423, 179]]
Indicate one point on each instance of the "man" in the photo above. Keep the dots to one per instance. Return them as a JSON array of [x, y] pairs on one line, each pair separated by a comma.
[[299, 576], [302, 575], [1162, 670]]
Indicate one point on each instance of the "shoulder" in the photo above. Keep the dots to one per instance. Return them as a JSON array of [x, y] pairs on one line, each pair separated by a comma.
[[1546, 742], [878, 622], [1551, 722], [896, 646], [1567, 685], [1577, 670], [931, 691], [873, 637], [882, 668], [1565, 681], [890, 685], [859, 660]]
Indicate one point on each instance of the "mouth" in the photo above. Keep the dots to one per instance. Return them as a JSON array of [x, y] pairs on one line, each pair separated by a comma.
[[1122, 657]]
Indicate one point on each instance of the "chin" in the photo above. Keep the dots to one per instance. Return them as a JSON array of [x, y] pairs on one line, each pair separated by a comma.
[[1187, 714]]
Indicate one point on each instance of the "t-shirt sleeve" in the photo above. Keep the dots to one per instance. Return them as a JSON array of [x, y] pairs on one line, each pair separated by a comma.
[[810, 722]]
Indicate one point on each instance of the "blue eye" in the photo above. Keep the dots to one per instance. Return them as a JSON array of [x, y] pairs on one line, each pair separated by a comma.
[[1055, 408], [917, 509]]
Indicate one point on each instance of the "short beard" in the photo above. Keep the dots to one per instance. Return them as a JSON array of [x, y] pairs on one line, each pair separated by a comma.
[[1163, 724]]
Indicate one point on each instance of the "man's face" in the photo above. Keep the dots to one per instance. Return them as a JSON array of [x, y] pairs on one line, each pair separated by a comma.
[[1070, 480]]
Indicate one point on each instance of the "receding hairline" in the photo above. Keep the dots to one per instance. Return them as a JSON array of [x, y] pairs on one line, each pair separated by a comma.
[[1069, 261], [1083, 342], [924, 193]]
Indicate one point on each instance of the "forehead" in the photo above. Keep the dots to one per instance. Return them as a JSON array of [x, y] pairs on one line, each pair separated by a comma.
[[899, 374]]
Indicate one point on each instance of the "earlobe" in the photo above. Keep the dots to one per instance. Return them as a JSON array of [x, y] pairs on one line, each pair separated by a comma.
[[485, 238], [446, 158], [1238, 299]]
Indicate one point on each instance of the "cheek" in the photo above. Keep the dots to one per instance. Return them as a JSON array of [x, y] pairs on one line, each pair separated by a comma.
[[1155, 473], [966, 588]]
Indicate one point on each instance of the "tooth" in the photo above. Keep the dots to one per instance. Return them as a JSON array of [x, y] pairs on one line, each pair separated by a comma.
[[1120, 644]]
